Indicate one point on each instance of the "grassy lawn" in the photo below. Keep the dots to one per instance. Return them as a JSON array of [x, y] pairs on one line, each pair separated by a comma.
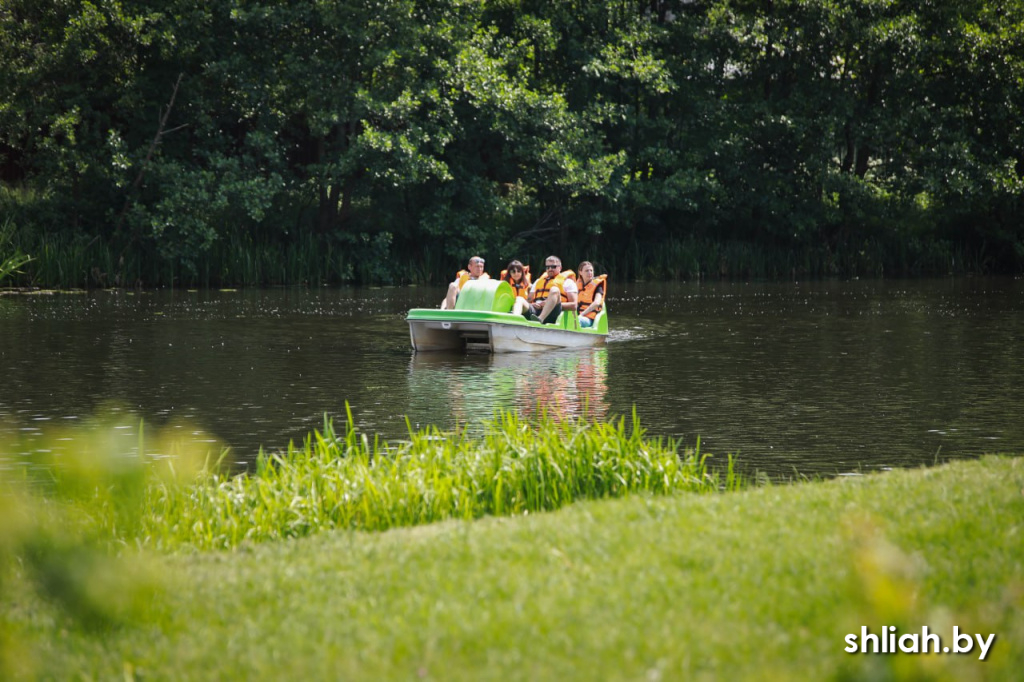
[[763, 583]]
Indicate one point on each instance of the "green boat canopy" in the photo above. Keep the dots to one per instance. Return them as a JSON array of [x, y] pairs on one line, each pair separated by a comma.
[[489, 296]]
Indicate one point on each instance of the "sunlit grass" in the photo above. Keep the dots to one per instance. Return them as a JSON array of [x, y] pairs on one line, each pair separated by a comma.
[[351, 481], [77, 514], [761, 583], [348, 480]]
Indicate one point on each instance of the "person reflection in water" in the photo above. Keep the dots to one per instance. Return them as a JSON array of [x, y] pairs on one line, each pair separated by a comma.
[[571, 387], [591, 385]]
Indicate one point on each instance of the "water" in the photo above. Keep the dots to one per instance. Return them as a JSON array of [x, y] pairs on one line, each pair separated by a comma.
[[795, 378]]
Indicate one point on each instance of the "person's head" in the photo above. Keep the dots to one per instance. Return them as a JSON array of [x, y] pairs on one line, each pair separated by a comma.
[[585, 271], [476, 266], [552, 265], [515, 271]]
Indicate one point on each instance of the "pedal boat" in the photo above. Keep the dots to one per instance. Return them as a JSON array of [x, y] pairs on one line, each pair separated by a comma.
[[482, 320]]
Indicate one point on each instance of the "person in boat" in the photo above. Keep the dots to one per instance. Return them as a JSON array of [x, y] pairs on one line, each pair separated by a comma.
[[590, 299], [553, 292], [518, 276], [474, 270]]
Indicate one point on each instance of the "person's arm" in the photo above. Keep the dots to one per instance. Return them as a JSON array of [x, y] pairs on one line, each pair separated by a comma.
[[570, 293], [594, 304]]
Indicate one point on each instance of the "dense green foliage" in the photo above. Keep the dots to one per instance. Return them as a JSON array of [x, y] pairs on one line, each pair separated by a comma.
[[387, 140]]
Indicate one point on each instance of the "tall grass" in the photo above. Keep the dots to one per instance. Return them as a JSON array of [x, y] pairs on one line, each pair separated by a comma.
[[348, 480], [700, 258], [11, 256], [75, 514], [62, 260], [74, 260], [241, 260]]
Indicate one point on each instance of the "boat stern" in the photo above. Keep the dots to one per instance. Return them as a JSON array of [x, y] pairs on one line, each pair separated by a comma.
[[440, 334]]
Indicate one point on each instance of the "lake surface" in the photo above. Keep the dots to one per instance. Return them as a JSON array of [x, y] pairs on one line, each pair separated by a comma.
[[794, 378]]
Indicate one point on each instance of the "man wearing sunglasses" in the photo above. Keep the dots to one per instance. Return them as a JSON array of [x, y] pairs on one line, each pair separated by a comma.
[[553, 292]]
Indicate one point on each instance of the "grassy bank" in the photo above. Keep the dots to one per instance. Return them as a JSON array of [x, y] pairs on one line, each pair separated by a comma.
[[762, 583]]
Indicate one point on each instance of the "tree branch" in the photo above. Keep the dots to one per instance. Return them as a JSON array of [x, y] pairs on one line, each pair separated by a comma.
[[160, 132]]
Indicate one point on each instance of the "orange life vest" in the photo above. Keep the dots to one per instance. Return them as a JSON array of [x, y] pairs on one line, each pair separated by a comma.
[[587, 293], [463, 276], [544, 284], [523, 287]]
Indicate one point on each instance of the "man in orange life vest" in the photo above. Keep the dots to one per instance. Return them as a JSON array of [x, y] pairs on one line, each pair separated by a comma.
[[552, 292], [475, 270]]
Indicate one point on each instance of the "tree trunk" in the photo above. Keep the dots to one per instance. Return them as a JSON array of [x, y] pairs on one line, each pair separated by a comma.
[[863, 156]]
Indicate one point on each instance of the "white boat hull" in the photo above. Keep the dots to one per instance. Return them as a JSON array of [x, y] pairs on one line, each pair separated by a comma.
[[495, 337]]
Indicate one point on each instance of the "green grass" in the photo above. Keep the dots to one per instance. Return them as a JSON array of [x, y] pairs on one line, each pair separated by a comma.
[[351, 481], [759, 583], [11, 257], [691, 258], [66, 259]]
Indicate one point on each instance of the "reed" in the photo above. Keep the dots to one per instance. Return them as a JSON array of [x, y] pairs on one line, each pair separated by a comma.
[[701, 258], [348, 480], [11, 257], [239, 259]]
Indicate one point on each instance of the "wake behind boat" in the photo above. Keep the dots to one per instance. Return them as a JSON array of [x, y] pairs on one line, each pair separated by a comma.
[[482, 320]]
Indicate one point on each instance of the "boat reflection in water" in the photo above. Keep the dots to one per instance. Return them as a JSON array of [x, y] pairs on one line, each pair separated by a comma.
[[459, 389]]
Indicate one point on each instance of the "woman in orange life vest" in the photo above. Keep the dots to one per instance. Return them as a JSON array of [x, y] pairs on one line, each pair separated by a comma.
[[590, 300], [474, 270], [545, 306], [518, 276]]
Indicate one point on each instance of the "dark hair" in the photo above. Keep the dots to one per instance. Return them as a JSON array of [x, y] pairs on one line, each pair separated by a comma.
[[511, 265]]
